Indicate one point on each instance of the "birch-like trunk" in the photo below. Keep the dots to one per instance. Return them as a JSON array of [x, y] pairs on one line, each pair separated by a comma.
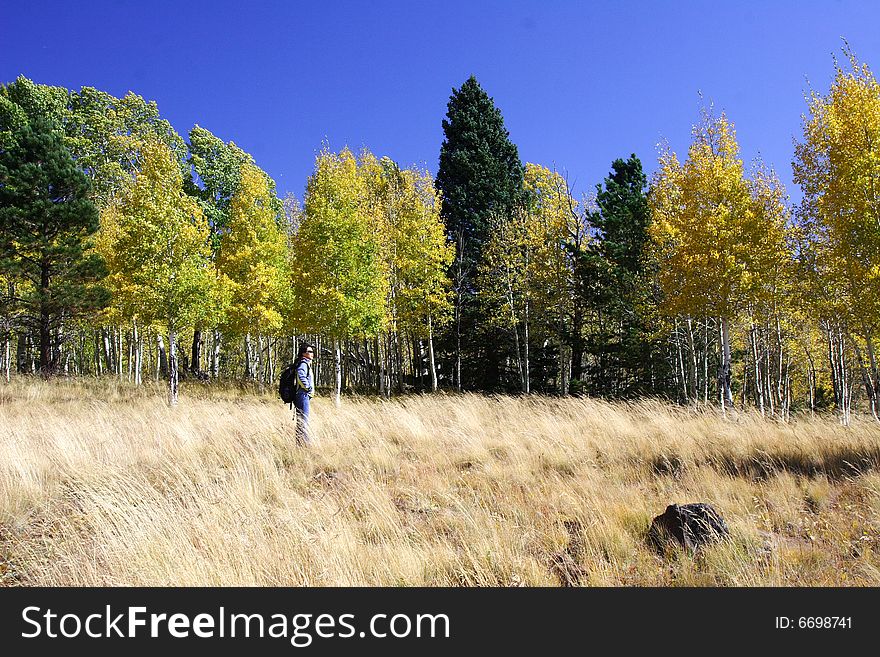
[[780, 370], [215, 355], [105, 350], [526, 379], [130, 366], [248, 366], [431, 355], [337, 357], [706, 362], [724, 376], [119, 366], [418, 362], [693, 352], [759, 388], [812, 382], [138, 353], [380, 367], [317, 369], [270, 362], [872, 376], [172, 367], [398, 361], [7, 358], [681, 367], [389, 365], [832, 364]]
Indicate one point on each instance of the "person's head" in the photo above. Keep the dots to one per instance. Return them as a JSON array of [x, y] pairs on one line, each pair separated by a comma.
[[306, 351]]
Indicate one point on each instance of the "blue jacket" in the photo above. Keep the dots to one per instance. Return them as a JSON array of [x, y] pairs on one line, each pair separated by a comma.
[[304, 378]]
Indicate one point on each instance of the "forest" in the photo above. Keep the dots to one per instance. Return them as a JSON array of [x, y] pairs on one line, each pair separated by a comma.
[[130, 251]]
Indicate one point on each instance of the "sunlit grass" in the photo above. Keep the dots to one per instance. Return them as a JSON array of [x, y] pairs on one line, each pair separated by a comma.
[[104, 484]]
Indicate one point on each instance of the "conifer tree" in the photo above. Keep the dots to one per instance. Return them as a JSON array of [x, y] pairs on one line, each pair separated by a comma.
[[480, 177], [626, 360], [46, 226]]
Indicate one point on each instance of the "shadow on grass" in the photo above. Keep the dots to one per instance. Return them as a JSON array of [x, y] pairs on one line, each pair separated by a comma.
[[834, 462]]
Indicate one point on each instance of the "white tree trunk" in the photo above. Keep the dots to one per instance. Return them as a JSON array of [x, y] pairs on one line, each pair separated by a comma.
[[248, 362], [270, 363], [172, 367], [215, 355], [138, 353], [380, 363], [693, 350], [759, 388], [7, 358], [337, 353], [726, 367], [527, 383], [119, 367], [431, 356], [130, 365]]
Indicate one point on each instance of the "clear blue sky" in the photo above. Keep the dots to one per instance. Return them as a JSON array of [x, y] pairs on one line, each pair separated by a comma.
[[578, 83]]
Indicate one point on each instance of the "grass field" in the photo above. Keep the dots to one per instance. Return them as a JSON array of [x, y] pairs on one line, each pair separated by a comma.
[[103, 484]]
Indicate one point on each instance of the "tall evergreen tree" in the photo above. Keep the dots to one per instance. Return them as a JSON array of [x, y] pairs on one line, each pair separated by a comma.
[[625, 360], [46, 224], [480, 178]]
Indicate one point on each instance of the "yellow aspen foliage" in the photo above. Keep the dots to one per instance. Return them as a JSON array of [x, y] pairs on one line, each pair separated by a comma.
[[524, 276], [339, 276], [154, 239], [551, 226], [417, 255], [155, 243], [719, 238], [838, 167], [525, 260], [252, 259]]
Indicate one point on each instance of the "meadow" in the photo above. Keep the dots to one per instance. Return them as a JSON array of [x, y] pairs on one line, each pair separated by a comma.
[[102, 483]]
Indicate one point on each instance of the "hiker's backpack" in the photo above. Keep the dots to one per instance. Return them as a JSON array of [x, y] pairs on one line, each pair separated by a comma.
[[287, 384]]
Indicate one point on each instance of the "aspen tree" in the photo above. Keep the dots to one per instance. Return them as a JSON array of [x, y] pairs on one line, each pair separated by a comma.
[[157, 251], [838, 168]]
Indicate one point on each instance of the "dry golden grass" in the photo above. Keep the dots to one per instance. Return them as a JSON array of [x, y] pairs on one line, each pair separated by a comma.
[[103, 484]]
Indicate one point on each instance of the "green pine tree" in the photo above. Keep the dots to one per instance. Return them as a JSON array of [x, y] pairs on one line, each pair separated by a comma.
[[480, 178], [624, 357], [46, 225]]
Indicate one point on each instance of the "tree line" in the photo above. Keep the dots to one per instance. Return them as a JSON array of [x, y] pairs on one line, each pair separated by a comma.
[[130, 251]]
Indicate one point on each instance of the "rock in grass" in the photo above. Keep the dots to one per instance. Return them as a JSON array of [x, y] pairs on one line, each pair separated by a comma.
[[688, 526]]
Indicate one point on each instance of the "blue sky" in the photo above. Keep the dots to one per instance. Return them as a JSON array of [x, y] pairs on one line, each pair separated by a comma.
[[578, 83]]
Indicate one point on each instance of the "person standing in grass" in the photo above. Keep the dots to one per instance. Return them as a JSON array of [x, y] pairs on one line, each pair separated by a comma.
[[305, 390]]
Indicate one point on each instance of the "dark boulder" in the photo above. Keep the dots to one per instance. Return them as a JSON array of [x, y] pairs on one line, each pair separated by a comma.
[[687, 525]]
